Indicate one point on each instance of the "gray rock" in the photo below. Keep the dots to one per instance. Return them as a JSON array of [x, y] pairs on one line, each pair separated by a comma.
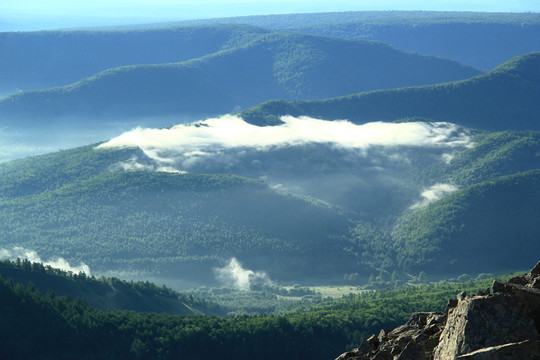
[[373, 340], [536, 269], [484, 321], [523, 350], [412, 351], [382, 336], [488, 326]]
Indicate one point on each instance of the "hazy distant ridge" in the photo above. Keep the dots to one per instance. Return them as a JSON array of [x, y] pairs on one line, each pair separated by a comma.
[[505, 98], [282, 66]]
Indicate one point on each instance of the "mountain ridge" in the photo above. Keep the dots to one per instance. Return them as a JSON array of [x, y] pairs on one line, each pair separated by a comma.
[[488, 101], [59, 58], [105, 294], [289, 65]]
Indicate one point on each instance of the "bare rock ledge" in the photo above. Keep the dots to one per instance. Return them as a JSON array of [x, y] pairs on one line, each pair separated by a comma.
[[501, 325]]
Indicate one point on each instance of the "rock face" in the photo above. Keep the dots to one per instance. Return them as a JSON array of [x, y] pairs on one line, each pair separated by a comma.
[[501, 325]]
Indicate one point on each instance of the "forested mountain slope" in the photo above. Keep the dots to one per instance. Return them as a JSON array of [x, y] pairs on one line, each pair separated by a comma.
[[105, 293], [83, 205], [64, 327], [494, 221], [285, 66], [44, 59], [480, 39], [505, 98], [177, 225]]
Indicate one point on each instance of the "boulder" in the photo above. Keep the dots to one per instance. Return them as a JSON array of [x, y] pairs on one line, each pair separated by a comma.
[[484, 321]]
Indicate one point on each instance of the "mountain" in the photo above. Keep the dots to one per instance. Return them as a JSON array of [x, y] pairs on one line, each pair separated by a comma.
[[177, 204], [179, 226], [105, 293], [63, 327], [479, 39], [494, 220], [490, 212], [494, 155], [45, 59], [504, 98], [286, 66]]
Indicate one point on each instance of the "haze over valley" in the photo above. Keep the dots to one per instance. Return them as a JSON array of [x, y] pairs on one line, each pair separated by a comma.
[[288, 166]]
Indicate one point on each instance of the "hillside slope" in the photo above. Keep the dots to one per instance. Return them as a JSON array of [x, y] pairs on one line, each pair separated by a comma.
[[45, 59], [494, 221], [282, 66], [105, 293], [396, 202], [480, 39], [178, 226], [505, 98]]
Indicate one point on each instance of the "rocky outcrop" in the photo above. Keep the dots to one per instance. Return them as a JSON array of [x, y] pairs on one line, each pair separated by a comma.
[[501, 325]]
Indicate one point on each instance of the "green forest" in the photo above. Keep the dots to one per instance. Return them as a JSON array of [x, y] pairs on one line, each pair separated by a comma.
[[37, 325], [291, 66], [484, 102], [74, 204], [261, 187]]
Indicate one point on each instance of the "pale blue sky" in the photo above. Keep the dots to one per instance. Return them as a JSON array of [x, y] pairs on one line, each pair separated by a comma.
[[40, 14]]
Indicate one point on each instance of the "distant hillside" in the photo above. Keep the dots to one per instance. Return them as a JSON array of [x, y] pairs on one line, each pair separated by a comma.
[[494, 155], [494, 222], [68, 328], [505, 98], [80, 205], [289, 21], [179, 226], [480, 39], [105, 293], [44, 59], [273, 66]]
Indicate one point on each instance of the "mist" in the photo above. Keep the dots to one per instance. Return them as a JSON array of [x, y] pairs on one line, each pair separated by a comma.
[[365, 168], [18, 141], [32, 256], [233, 274], [434, 193], [186, 144], [25, 15]]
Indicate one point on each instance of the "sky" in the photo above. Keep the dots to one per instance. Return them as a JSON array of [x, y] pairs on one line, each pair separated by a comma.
[[24, 15]]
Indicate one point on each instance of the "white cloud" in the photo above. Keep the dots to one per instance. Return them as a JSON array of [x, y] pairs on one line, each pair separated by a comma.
[[32, 256], [133, 165], [447, 158], [183, 146], [233, 274], [434, 193]]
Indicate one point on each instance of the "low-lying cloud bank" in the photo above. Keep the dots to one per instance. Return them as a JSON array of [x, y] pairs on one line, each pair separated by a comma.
[[182, 146], [32, 256], [434, 193], [233, 274]]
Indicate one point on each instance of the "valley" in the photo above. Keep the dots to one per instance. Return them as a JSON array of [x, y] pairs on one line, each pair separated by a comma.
[[269, 186]]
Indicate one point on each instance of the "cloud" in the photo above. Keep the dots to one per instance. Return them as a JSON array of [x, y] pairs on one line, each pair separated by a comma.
[[434, 193], [133, 164], [32, 256], [233, 274], [447, 158], [222, 139]]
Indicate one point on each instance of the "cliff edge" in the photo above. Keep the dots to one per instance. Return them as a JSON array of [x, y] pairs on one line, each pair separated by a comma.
[[503, 324]]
